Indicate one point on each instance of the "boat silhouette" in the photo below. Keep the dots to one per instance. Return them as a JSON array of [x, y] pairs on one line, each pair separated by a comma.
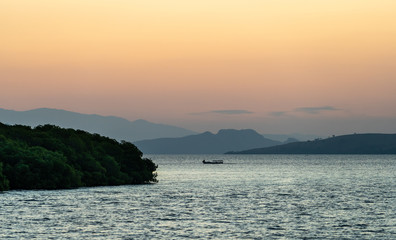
[[212, 162]]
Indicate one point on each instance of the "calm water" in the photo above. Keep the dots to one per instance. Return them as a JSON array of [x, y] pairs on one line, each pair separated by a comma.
[[248, 197]]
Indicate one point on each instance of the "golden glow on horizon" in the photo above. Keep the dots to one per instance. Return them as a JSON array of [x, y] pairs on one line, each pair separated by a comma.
[[238, 54]]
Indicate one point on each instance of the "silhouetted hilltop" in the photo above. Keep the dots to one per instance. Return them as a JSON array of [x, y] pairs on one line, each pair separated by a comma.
[[110, 126], [346, 144], [207, 143], [50, 157]]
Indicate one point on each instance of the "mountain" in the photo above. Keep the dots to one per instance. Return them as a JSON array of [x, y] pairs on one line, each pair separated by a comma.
[[207, 143], [113, 127], [369, 143], [285, 137], [290, 140]]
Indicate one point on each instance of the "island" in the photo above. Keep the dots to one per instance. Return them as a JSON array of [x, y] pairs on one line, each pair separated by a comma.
[[367, 143], [50, 157]]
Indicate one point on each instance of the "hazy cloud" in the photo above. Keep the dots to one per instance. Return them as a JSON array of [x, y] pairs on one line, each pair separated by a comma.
[[307, 110], [316, 110], [232, 112], [226, 112]]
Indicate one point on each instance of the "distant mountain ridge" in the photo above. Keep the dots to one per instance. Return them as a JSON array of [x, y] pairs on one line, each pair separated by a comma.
[[110, 126], [370, 143], [207, 143], [285, 137]]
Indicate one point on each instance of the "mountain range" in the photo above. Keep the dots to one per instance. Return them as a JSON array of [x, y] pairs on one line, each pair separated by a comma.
[[149, 137], [346, 144], [110, 126], [166, 139], [208, 143]]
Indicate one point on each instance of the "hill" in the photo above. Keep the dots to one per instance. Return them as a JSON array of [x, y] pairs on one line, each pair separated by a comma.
[[207, 143], [345, 144], [113, 127], [285, 137], [50, 157]]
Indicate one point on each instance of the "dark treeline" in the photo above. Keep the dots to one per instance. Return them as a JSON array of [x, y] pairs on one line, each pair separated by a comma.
[[50, 157]]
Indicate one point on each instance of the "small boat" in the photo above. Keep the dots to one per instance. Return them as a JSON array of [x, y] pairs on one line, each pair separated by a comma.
[[213, 162]]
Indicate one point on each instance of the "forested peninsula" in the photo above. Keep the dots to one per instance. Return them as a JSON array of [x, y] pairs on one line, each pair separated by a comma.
[[50, 157]]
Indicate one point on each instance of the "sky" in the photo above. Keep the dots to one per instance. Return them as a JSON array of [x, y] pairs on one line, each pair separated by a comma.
[[277, 66]]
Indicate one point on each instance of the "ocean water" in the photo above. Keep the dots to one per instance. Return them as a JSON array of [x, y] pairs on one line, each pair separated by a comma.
[[247, 197]]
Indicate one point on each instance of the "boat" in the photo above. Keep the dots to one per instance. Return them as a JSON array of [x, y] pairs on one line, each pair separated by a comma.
[[213, 162]]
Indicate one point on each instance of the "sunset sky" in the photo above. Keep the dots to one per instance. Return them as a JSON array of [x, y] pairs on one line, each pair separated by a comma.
[[277, 66]]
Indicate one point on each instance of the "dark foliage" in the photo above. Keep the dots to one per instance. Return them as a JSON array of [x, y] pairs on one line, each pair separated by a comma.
[[50, 157]]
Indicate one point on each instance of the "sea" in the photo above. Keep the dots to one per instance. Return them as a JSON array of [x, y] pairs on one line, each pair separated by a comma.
[[247, 197]]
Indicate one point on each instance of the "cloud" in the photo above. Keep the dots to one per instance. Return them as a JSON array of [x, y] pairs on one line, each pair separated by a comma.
[[316, 110], [305, 110], [232, 112], [225, 112]]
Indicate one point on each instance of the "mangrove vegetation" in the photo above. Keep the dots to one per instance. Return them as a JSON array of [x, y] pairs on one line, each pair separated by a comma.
[[50, 157]]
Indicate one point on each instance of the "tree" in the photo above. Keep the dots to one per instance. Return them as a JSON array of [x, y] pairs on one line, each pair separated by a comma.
[[50, 157], [4, 185]]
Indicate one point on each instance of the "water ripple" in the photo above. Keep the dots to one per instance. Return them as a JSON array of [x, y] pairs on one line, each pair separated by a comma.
[[256, 197]]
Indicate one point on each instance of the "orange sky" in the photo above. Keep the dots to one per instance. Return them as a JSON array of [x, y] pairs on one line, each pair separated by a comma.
[[312, 66]]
